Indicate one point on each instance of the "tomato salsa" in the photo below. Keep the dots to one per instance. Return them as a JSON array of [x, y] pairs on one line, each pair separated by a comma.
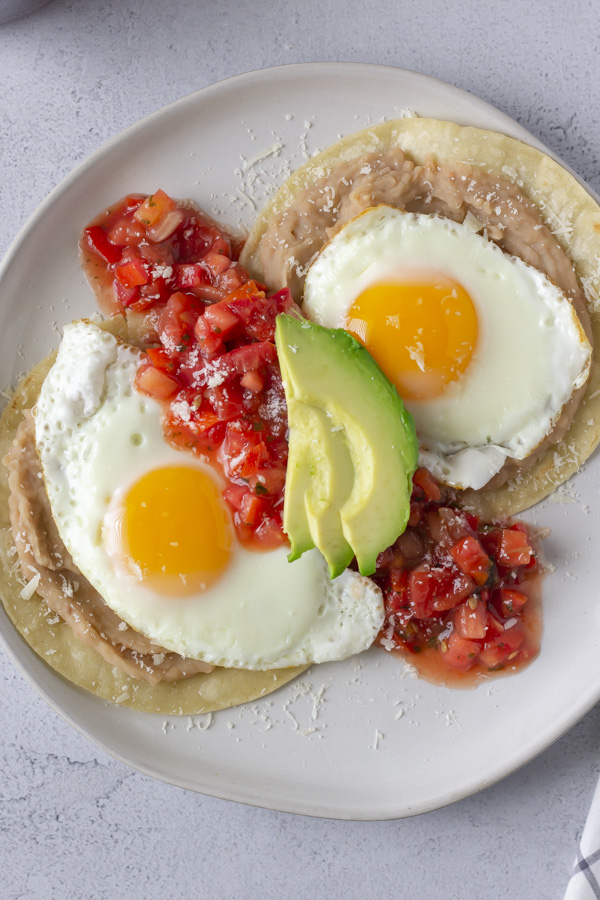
[[461, 595], [214, 365]]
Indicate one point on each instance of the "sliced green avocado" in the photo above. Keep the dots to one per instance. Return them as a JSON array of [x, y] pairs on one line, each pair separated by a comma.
[[320, 471], [329, 489], [327, 369]]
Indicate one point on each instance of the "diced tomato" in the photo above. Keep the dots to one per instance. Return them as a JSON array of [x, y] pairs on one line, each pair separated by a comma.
[[270, 479], [510, 547], [227, 401], [425, 480], [253, 508], [453, 587], [160, 359], [270, 534], [196, 238], [98, 241], [156, 383], [133, 273], [432, 591], [470, 622], [216, 262], [177, 321], [508, 602], [493, 627], [221, 245], [230, 280], [399, 580], [252, 381], [444, 586], [502, 647], [221, 319], [259, 317], [247, 358], [460, 653], [234, 494], [239, 441], [126, 296], [189, 276], [210, 344], [471, 558], [254, 458]]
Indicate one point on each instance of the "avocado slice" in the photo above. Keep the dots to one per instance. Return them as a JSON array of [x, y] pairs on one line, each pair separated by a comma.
[[319, 477], [300, 470], [327, 369], [328, 490]]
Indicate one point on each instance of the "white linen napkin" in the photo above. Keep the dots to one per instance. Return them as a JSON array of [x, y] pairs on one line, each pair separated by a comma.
[[585, 877]]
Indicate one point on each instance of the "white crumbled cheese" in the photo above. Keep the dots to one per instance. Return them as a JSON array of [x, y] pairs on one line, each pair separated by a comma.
[[182, 409], [158, 658], [30, 588], [122, 626], [273, 150]]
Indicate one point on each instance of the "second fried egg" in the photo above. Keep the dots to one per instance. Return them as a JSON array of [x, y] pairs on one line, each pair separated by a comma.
[[484, 349]]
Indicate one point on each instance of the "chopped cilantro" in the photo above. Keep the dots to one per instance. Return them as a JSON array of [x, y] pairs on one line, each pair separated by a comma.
[[260, 489]]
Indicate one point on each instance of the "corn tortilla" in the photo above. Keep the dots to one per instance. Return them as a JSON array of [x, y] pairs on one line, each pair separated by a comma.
[[56, 644]]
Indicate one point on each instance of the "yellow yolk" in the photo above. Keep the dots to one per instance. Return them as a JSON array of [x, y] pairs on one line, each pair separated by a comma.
[[174, 530], [421, 332]]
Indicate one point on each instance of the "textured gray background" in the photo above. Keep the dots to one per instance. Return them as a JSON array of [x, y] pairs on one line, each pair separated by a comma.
[[73, 822]]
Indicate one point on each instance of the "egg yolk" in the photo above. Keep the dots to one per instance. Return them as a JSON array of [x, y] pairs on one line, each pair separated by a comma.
[[174, 530], [421, 331]]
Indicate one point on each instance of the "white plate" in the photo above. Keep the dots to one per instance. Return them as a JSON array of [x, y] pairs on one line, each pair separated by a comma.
[[348, 740]]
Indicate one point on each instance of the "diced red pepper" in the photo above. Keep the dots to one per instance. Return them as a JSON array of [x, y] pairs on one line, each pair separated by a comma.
[[100, 244], [133, 273]]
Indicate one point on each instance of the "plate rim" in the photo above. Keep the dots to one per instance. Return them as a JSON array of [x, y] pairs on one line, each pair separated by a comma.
[[225, 791]]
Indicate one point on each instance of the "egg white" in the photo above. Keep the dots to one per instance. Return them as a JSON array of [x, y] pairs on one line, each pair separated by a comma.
[[96, 436], [531, 351]]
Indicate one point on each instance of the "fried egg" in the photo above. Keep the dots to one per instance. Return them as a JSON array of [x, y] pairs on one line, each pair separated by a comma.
[[484, 349], [147, 525]]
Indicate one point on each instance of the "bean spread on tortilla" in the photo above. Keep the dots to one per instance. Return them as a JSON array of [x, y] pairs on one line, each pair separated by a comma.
[[516, 195]]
